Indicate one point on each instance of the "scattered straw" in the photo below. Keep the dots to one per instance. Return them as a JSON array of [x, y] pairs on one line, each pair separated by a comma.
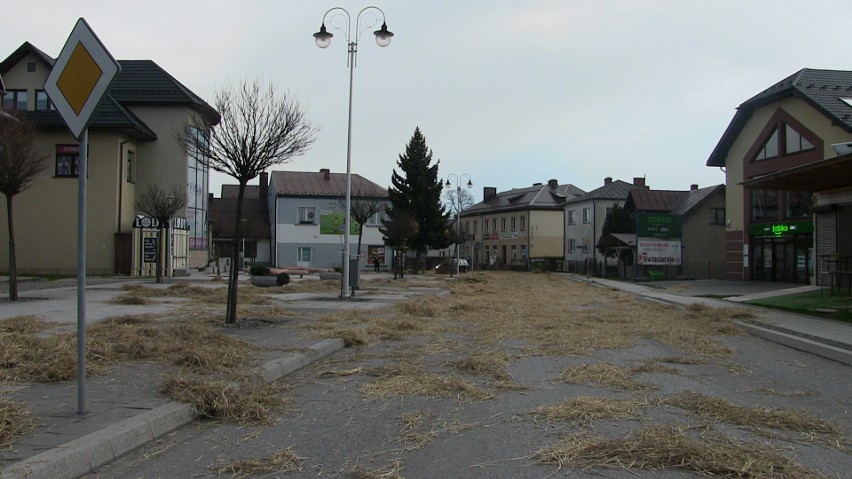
[[491, 364], [15, 421], [410, 380], [282, 460], [246, 403], [586, 409], [339, 373], [418, 432], [719, 410], [389, 472], [672, 447], [603, 374]]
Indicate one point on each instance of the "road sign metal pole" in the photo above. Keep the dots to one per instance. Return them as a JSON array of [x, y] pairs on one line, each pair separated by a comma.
[[82, 174]]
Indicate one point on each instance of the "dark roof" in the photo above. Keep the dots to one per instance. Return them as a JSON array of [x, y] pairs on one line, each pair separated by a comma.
[[642, 199], [695, 197], [140, 82], [539, 196], [252, 192], [223, 215], [304, 183], [615, 190], [815, 177], [668, 201], [822, 89]]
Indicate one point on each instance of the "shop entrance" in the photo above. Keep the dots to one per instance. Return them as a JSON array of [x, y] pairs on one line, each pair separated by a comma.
[[782, 258]]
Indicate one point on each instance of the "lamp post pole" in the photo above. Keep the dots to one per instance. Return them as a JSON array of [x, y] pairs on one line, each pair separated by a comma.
[[339, 18], [459, 179]]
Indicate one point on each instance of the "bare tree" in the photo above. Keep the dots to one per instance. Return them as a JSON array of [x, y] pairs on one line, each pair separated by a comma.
[[363, 206], [457, 200], [260, 128], [20, 164], [162, 205]]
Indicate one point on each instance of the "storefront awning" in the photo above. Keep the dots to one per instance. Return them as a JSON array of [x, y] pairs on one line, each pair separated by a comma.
[[818, 176]]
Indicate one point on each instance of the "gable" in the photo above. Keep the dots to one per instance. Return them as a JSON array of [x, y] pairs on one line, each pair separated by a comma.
[[783, 142]]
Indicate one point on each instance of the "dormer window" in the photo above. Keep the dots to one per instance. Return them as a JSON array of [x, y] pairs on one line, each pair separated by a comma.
[[787, 144]]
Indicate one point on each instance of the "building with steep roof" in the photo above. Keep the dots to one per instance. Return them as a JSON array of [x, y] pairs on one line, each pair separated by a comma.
[[584, 220], [508, 228], [308, 223], [255, 246], [132, 145], [793, 123], [696, 220]]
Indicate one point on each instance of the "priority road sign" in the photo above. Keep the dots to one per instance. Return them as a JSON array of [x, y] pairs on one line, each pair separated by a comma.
[[80, 78]]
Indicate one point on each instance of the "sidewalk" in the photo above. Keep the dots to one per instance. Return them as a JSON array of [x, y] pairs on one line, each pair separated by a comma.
[[822, 337], [124, 407]]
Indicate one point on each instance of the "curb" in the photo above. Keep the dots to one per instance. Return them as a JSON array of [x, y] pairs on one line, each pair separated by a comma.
[[83, 455], [797, 342]]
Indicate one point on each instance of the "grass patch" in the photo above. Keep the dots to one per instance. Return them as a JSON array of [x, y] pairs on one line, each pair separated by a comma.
[[823, 304], [673, 447], [282, 460], [15, 421]]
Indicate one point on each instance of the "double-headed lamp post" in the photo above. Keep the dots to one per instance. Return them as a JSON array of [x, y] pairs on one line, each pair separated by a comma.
[[459, 180], [339, 19]]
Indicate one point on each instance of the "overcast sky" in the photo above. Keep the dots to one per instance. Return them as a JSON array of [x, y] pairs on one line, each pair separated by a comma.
[[509, 92]]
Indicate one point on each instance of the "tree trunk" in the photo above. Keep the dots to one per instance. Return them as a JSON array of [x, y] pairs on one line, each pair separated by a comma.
[[160, 255], [13, 266], [231, 313]]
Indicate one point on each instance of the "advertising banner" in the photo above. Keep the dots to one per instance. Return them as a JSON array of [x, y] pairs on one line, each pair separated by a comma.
[[653, 251], [658, 225]]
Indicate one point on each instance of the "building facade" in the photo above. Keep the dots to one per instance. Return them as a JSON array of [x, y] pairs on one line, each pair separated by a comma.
[[132, 145], [509, 228], [584, 220], [306, 211], [770, 233]]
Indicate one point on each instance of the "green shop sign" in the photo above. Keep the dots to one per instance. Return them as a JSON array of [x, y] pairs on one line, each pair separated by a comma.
[[652, 225], [331, 223], [781, 229]]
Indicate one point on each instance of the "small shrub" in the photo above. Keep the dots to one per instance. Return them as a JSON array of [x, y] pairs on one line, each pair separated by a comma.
[[282, 279], [259, 270]]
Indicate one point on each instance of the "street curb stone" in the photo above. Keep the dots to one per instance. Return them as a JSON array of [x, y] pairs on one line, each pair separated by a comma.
[[83, 455], [798, 342]]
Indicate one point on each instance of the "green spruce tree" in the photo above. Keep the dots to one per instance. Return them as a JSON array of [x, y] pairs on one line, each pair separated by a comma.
[[416, 190]]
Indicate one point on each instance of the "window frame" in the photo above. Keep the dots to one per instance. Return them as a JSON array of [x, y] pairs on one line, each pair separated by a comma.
[[69, 153], [587, 215], [306, 215], [49, 104], [572, 217], [12, 98]]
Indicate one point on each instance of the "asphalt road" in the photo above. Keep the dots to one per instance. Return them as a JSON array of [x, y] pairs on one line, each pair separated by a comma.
[[338, 431]]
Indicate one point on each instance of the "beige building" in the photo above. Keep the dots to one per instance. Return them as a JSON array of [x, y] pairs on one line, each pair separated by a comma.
[[795, 122], [132, 144], [510, 228]]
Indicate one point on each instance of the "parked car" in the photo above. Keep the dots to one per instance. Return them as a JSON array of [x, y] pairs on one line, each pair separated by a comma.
[[448, 266]]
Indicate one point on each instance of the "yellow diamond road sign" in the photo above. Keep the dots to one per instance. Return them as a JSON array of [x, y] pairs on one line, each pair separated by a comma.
[[80, 77]]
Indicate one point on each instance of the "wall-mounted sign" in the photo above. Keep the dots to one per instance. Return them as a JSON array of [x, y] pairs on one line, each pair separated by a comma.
[[658, 225], [654, 251], [178, 223], [781, 229], [149, 250]]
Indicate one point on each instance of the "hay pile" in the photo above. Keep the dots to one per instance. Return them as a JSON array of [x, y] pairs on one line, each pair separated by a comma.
[[585, 409], [15, 420], [244, 403], [280, 461], [674, 447]]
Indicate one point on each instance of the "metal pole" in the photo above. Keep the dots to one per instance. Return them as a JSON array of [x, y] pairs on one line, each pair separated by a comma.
[[353, 49], [82, 173], [458, 228]]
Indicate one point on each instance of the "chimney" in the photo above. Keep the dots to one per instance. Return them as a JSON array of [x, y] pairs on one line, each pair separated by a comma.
[[552, 184], [639, 181], [693, 187], [326, 173], [607, 180], [488, 192], [264, 185]]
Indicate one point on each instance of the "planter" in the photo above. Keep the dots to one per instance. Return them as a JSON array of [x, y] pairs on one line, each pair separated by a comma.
[[330, 275], [264, 281]]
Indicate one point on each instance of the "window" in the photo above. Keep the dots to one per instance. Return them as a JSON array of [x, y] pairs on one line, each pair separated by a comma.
[[197, 175], [307, 215], [485, 226], [503, 224], [717, 216], [494, 225], [587, 215], [475, 227], [43, 103], [375, 220], [514, 224], [523, 251], [770, 148], [303, 254], [798, 204], [31, 67], [572, 245], [572, 217], [514, 251], [131, 166], [794, 142], [523, 223], [764, 205], [15, 100], [66, 160]]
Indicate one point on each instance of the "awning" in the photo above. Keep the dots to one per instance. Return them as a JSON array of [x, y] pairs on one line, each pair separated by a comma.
[[815, 177]]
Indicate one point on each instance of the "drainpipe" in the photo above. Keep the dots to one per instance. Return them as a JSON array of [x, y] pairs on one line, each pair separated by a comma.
[[120, 181]]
